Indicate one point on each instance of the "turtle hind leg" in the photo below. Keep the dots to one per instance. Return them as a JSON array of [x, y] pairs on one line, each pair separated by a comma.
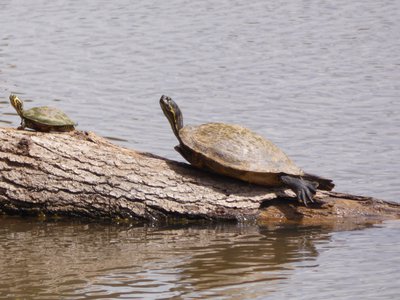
[[305, 190]]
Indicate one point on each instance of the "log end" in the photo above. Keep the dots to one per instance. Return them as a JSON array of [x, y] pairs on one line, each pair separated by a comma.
[[333, 208]]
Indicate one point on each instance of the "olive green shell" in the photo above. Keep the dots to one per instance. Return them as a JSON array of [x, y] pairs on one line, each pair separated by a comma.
[[49, 116], [235, 151]]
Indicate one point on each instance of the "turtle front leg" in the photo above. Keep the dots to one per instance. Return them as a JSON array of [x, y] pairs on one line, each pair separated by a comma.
[[22, 126]]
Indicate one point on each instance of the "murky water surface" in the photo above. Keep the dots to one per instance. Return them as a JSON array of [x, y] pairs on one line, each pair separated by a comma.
[[320, 79], [91, 261]]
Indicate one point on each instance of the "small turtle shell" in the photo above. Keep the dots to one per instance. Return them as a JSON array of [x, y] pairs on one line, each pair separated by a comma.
[[48, 116]]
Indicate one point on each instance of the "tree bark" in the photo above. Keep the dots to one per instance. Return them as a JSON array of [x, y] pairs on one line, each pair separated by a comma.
[[82, 174]]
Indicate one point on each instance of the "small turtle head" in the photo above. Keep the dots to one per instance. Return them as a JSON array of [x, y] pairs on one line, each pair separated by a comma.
[[17, 104], [173, 113]]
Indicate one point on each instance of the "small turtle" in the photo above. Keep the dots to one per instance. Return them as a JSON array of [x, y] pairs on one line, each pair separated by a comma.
[[235, 151], [42, 118]]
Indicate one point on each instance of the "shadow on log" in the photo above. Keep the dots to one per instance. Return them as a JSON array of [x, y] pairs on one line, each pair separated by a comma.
[[81, 174]]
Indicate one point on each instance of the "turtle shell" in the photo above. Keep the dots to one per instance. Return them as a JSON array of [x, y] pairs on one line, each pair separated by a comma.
[[49, 116], [235, 151]]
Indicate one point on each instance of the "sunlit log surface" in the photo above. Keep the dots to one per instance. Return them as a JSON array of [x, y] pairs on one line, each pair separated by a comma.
[[81, 174]]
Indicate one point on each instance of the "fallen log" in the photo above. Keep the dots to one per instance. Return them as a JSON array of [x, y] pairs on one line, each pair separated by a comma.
[[81, 174]]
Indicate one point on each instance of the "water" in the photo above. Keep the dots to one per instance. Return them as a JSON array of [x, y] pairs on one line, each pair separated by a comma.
[[319, 79], [91, 261]]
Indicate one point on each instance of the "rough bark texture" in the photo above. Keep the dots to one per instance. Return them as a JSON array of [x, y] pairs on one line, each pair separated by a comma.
[[81, 174]]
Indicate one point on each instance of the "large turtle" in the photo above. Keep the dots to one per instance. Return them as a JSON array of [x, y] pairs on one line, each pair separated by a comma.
[[235, 151], [42, 118]]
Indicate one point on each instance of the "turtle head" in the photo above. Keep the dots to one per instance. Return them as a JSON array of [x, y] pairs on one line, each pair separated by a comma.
[[17, 104], [173, 113]]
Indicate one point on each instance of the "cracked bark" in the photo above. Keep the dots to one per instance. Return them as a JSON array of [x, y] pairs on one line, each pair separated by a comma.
[[82, 174]]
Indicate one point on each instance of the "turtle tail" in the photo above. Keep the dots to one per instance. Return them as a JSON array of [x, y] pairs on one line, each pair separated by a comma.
[[323, 183]]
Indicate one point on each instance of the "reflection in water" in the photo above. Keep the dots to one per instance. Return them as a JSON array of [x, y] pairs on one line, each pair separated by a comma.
[[252, 257], [54, 259]]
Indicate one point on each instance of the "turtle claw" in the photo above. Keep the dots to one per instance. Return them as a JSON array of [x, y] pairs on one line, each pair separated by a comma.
[[305, 190], [302, 198], [305, 197]]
